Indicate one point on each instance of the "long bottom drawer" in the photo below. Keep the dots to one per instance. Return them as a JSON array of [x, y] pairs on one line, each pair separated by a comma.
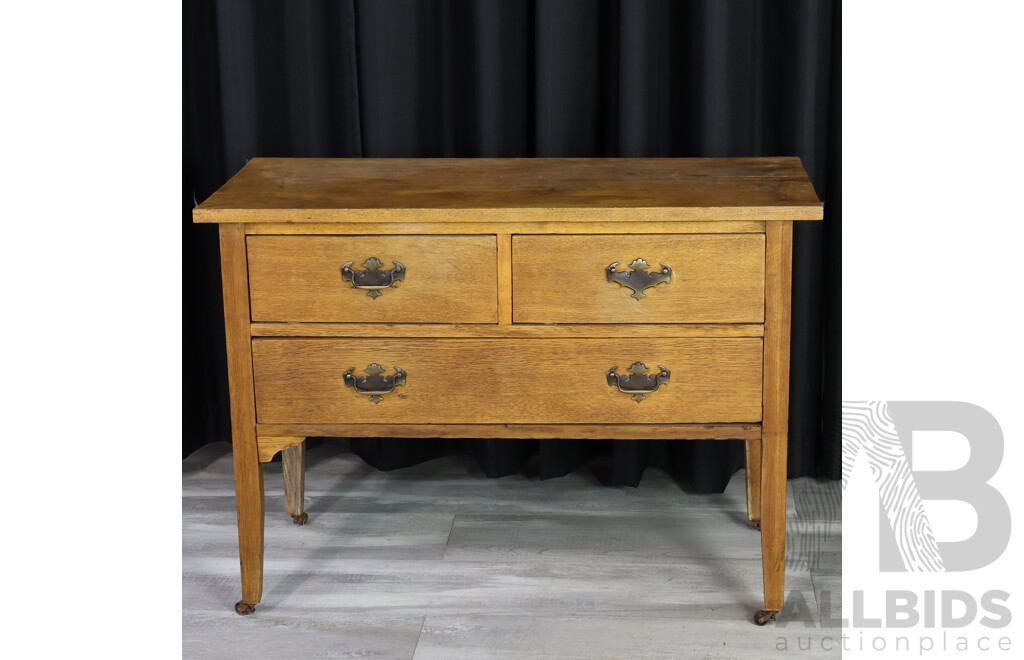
[[506, 381]]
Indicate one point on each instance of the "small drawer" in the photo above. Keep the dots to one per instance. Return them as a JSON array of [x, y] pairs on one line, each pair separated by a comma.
[[713, 278], [506, 381], [418, 279]]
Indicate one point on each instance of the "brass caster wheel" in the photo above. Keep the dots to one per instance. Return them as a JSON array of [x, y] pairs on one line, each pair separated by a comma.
[[244, 608], [301, 518], [762, 617], [756, 524]]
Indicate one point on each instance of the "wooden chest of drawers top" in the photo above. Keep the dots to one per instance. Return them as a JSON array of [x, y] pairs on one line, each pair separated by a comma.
[[473, 190]]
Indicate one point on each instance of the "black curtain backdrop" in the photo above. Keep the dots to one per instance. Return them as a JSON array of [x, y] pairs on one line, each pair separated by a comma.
[[539, 78]]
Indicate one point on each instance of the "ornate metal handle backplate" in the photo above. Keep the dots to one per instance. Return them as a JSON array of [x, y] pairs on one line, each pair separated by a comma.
[[374, 384], [638, 278], [638, 383], [373, 278]]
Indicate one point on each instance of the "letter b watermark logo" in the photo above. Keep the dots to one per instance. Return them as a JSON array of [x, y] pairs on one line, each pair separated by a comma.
[[883, 431]]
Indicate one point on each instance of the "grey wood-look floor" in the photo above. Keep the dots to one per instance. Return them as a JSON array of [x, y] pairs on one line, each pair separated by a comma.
[[437, 561]]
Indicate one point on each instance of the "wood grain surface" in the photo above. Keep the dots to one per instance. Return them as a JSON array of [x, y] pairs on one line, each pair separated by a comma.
[[500, 381], [504, 279], [248, 470], [562, 279], [550, 226], [448, 279], [525, 331], [752, 449], [774, 432], [269, 433], [271, 443], [513, 189], [293, 464]]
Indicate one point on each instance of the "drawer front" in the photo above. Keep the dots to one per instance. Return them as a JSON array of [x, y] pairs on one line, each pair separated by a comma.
[[494, 381], [715, 278], [446, 279]]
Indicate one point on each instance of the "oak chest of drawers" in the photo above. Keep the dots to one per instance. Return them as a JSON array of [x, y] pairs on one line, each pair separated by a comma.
[[520, 298]]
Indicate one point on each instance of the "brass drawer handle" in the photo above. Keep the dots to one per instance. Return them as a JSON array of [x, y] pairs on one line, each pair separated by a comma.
[[373, 278], [638, 383], [637, 278], [374, 384]]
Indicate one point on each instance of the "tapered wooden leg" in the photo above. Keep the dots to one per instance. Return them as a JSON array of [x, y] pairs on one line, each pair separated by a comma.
[[251, 510], [244, 446], [775, 414], [293, 460], [754, 482]]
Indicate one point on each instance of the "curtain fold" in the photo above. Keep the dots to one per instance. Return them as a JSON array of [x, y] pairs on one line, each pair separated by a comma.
[[506, 78]]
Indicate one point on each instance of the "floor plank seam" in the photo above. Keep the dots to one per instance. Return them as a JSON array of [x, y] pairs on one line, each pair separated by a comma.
[[448, 540], [423, 624], [817, 603]]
